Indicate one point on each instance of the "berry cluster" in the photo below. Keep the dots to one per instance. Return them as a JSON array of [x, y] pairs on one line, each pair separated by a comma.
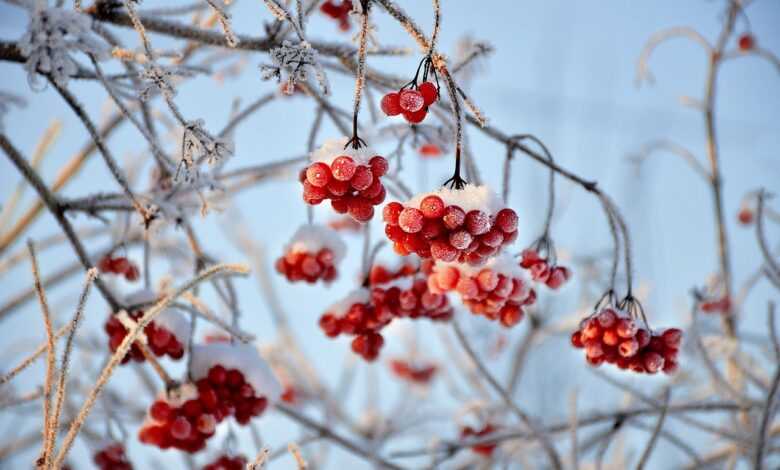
[[120, 266], [112, 457], [543, 271], [226, 462], [381, 274], [485, 450], [350, 178], [409, 297], [166, 335], [311, 255], [612, 336], [465, 225], [339, 11], [412, 102], [497, 290], [413, 373], [357, 316], [184, 420]]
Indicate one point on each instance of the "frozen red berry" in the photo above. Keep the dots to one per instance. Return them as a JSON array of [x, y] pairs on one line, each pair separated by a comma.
[[343, 168], [411, 101], [429, 92], [391, 104]]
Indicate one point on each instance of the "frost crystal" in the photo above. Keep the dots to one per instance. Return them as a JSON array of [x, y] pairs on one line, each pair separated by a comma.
[[53, 33], [160, 79], [198, 145], [293, 63]]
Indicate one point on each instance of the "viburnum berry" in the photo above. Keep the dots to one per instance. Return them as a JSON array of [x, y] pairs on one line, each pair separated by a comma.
[[338, 11], [391, 104], [420, 374], [350, 178], [745, 216], [120, 266], [746, 42], [485, 450], [429, 150], [436, 225], [610, 335], [411, 101], [720, 305], [227, 462], [429, 92], [415, 117], [542, 271], [112, 457], [313, 254]]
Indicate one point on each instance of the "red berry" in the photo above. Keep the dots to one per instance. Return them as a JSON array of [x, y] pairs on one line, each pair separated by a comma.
[[391, 212], [461, 239], [410, 220], [415, 117], [747, 42], [318, 174], [362, 178], [506, 220], [338, 188], [343, 168], [453, 217], [429, 92], [217, 375], [745, 216], [477, 222], [181, 428], [443, 251], [160, 411], [411, 101], [432, 207], [378, 166], [361, 209], [391, 104]]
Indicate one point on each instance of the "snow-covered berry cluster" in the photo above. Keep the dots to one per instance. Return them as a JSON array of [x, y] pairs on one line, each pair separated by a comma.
[[312, 254], [465, 225], [612, 336], [410, 297], [420, 374], [543, 271], [227, 462], [485, 450], [120, 266], [496, 290], [412, 102], [338, 11], [166, 335], [381, 273], [230, 380], [112, 457], [349, 177]]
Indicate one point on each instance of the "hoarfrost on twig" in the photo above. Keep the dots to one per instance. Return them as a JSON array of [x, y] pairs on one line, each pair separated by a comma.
[[293, 63], [53, 33], [198, 145]]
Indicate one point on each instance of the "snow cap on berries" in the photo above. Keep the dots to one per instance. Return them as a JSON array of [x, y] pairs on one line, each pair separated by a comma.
[[244, 357], [471, 197], [358, 296], [312, 238], [170, 319], [334, 148]]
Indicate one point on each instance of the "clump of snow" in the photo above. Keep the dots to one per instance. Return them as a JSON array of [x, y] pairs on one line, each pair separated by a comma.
[[312, 238], [502, 263], [175, 322], [244, 357], [358, 296], [403, 283], [53, 33], [179, 395], [170, 319], [471, 197], [334, 148]]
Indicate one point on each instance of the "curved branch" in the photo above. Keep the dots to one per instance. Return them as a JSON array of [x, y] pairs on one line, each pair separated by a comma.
[[643, 71]]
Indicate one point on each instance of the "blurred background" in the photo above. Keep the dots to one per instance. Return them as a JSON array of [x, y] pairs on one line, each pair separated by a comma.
[[563, 71]]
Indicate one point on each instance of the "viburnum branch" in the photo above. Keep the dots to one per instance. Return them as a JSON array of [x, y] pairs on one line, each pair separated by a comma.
[[538, 433], [127, 342], [356, 141], [51, 355], [282, 14]]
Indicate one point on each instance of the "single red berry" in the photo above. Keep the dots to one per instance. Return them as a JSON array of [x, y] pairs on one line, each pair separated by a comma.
[[343, 168], [477, 222], [745, 216], [391, 104], [362, 178], [410, 220], [746, 42], [217, 375], [432, 207], [453, 217], [415, 117], [361, 209], [506, 220], [443, 251], [461, 239], [391, 212], [411, 101], [429, 92], [160, 411], [318, 174], [378, 165], [181, 428]]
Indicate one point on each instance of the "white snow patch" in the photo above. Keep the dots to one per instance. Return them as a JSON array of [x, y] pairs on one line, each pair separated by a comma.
[[469, 198], [358, 296], [313, 238], [502, 263], [175, 322], [334, 148], [403, 283], [141, 296], [244, 357]]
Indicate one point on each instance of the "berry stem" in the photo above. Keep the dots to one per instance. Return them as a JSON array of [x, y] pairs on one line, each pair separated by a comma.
[[456, 182], [356, 141]]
